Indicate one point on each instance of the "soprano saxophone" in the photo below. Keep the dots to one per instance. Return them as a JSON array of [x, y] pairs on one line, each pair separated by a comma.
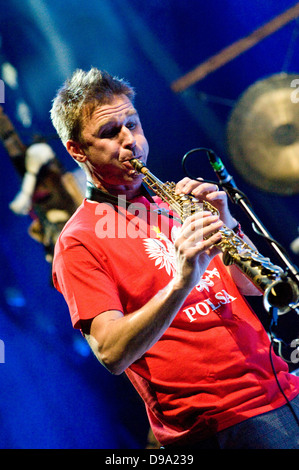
[[279, 290]]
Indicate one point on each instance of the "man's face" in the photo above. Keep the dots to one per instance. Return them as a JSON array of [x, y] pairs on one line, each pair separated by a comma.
[[113, 135]]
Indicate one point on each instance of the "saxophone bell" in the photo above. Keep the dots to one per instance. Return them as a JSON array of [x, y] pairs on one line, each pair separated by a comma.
[[282, 294]]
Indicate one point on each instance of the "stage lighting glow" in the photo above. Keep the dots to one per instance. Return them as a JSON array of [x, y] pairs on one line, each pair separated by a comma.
[[81, 347], [14, 297], [10, 75], [24, 114]]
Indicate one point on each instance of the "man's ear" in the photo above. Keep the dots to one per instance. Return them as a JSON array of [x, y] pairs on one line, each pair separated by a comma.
[[76, 151]]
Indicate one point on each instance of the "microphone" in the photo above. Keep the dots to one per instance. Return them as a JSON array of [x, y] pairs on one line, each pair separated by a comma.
[[225, 179]]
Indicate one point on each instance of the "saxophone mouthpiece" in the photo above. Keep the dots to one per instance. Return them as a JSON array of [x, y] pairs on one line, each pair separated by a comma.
[[137, 164]]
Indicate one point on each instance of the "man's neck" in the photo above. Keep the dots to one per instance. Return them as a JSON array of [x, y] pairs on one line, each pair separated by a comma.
[[127, 191]]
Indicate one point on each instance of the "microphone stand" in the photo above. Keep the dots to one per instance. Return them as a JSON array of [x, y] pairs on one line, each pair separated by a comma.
[[240, 199], [236, 196]]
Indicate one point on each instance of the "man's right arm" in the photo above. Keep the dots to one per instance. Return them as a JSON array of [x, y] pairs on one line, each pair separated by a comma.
[[118, 340]]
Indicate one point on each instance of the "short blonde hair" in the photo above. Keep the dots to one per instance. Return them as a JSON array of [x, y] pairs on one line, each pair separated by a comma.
[[84, 88]]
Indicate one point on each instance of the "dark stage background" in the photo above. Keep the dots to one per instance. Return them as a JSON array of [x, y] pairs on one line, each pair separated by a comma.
[[53, 393]]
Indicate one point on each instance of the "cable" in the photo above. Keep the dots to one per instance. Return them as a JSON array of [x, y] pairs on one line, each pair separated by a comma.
[[203, 180]]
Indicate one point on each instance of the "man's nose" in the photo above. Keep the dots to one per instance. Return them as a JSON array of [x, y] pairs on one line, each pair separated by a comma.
[[128, 139]]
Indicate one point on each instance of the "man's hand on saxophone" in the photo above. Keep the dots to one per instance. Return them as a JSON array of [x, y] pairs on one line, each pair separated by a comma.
[[209, 192], [196, 246], [203, 225]]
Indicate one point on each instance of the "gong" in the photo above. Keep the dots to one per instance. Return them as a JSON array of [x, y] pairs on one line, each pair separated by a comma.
[[263, 134]]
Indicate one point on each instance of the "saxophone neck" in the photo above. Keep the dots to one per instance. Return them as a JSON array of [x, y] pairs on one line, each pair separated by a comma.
[[152, 181], [166, 191]]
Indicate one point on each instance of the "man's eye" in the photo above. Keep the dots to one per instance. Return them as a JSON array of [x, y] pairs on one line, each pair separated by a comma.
[[131, 125], [110, 133]]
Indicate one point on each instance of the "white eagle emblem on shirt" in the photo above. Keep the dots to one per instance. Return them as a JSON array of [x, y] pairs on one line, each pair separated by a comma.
[[161, 249]]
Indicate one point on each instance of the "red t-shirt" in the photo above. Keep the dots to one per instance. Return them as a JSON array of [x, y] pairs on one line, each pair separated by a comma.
[[211, 368]]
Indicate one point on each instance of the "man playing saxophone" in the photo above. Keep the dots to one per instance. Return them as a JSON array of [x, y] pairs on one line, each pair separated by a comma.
[[159, 304]]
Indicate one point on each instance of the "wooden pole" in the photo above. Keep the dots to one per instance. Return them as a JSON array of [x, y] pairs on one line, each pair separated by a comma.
[[234, 50]]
